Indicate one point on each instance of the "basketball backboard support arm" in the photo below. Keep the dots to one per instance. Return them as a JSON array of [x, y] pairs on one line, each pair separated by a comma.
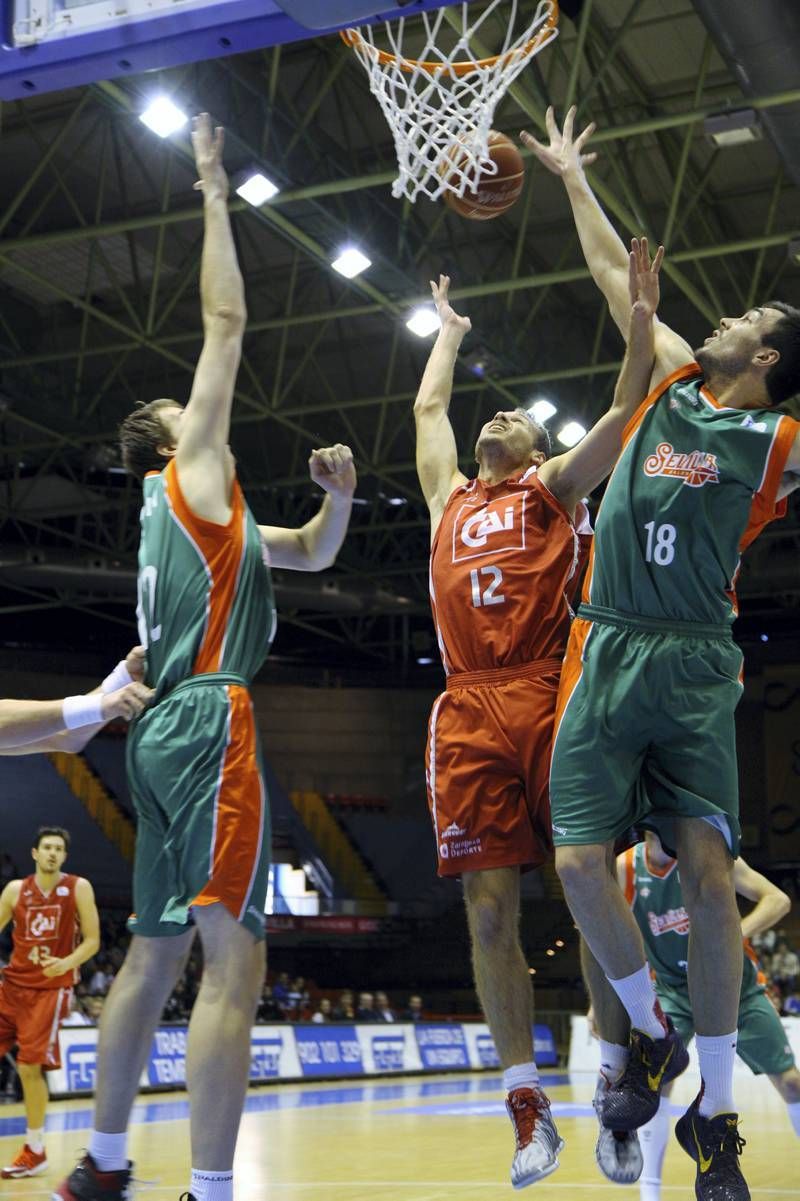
[[46, 45]]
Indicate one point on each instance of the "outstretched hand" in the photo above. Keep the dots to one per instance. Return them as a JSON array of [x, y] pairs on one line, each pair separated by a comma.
[[564, 156], [447, 314], [643, 285], [333, 469], [208, 149]]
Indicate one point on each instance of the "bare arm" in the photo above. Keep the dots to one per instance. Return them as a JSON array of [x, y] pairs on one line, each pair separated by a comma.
[[8, 899], [602, 247], [204, 465], [771, 904], [89, 923], [437, 455], [315, 545], [790, 480], [570, 476]]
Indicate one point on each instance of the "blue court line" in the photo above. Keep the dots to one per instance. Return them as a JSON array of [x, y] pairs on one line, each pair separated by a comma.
[[267, 1099]]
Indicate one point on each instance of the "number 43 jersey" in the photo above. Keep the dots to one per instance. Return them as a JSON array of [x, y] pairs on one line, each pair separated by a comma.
[[505, 563], [205, 592], [694, 485]]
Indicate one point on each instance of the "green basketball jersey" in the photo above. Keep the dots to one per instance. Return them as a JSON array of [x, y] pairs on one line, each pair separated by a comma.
[[206, 601], [694, 485], [657, 903]]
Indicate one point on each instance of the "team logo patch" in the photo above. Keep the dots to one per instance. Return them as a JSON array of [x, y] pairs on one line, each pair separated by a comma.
[[489, 528], [674, 921], [42, 922], [695, 468]]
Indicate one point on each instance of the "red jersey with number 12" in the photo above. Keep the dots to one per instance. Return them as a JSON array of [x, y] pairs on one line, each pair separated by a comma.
[[505, 563], [45, 925]]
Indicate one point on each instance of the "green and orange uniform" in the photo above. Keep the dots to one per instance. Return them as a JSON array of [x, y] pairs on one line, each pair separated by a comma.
[[207, 617], [655, 897], [652, 676]]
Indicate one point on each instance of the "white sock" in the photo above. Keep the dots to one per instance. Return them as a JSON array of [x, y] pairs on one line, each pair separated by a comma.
[[653, 1138], [109, 1151], [211, 1186], [35, 1140], [794, 1116], [716, 1054], [637, 994], [613, 1060], [521, 1075]]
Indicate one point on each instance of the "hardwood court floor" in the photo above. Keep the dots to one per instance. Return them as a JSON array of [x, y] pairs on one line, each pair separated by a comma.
[[431, 1139]]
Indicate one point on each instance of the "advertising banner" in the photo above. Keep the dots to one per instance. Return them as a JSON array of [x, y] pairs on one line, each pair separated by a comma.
[[325, 1050], [389, 1047], [442, 1045]]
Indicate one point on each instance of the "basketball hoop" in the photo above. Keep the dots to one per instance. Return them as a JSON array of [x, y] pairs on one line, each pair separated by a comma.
[[445, 99]]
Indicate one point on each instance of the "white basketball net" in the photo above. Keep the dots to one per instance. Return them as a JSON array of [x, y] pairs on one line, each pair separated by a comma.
[[442, 100]]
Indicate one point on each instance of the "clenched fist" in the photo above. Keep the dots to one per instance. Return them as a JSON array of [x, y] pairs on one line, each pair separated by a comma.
[[333, 469], [127, 702]]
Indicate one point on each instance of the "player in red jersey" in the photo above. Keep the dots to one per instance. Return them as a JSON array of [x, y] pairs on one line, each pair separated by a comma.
[[506, 551], [56, 929]]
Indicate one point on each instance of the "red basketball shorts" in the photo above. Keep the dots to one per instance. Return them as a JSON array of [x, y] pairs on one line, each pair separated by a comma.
[[488, 760], [29, 1019]]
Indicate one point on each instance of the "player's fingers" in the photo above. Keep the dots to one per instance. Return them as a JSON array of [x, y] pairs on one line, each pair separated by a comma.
[[588, 159], [530, 141], [659, 259], [550, 123], [584, 136], [569, 122]]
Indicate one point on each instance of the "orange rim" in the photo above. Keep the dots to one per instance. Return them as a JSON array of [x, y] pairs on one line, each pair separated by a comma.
[[546, 32]]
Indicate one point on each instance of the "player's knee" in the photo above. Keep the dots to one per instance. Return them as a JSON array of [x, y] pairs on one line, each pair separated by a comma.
[[711, 889], [491, 923], [789, 1086], [29, 1071], [581, 869]]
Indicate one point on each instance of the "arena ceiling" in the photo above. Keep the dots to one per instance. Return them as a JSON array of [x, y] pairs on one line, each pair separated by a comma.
[[100, 236]]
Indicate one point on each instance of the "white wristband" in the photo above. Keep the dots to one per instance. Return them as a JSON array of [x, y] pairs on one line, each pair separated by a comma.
[[83, 710], [118, 678]]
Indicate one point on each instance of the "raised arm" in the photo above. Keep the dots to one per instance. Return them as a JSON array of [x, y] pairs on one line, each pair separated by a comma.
[[576, 473], [437, 455], [204, 464], [603, 249], [315, 545], [771, 904]]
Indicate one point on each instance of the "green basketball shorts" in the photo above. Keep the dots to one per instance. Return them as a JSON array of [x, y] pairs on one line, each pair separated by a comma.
[[762, 1043], [645, 729], [203, 834]]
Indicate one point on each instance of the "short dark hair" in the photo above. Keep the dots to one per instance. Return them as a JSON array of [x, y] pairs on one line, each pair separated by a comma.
[[141, 434], [783, 378], [51, 832], [543, 441]]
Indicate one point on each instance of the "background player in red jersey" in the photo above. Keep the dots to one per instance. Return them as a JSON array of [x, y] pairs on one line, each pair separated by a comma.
[[28, 727], [505, 552], [56, 929]]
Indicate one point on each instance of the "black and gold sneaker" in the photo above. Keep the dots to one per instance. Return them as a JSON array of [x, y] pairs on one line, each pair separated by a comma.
[[716, 1147], [633, 1099]]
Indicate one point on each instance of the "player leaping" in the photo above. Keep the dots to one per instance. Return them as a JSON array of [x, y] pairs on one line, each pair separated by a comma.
[[505, 554], [645, 732], [194, 765]]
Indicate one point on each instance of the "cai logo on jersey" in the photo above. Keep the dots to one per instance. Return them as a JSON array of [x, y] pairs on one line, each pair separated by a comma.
[[489, 529], [695, 467], [674, 921], [42, 922]]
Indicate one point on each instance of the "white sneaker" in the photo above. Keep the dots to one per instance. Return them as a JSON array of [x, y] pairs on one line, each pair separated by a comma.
[[618, 1154], [538, 1141]]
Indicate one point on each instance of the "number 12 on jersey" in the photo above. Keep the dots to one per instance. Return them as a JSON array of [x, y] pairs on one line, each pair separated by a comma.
[[660, 547], [486, 595]]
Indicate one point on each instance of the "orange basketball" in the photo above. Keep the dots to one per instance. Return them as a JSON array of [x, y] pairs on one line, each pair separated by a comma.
[[496, 193]]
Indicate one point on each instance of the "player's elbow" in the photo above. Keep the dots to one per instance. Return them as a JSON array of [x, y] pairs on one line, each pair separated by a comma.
[[783, 904], [225, 320]]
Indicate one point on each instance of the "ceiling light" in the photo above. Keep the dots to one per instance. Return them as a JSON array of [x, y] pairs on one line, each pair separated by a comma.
[[542, 410], [351, 262], [163, 117], [732, 129], [571, 434], [550, 952], [531, 971], [425, 661], [256, 189], [559, 942], [423, 322]]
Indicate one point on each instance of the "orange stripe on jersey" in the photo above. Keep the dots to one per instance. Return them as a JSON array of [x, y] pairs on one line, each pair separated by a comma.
[[629, 886], [786, 433], [238, 815], [691, 369], [222, 547], [572, 669], [761, 977]]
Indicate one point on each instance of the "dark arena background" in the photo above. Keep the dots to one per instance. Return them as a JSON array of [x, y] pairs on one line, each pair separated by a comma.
[[697, 104]]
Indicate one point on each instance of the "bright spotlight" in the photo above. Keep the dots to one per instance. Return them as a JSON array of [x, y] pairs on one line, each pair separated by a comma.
[[351, 262], [163, 117], [256, 189], [423, 322], [571, 434], [542, 410]]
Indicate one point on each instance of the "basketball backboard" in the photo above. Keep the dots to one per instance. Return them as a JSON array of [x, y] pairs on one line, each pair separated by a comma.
[[51, 44]]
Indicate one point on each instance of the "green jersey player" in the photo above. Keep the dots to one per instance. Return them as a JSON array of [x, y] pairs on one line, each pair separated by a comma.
[[206, 615], [645, 731], [650, 880]]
